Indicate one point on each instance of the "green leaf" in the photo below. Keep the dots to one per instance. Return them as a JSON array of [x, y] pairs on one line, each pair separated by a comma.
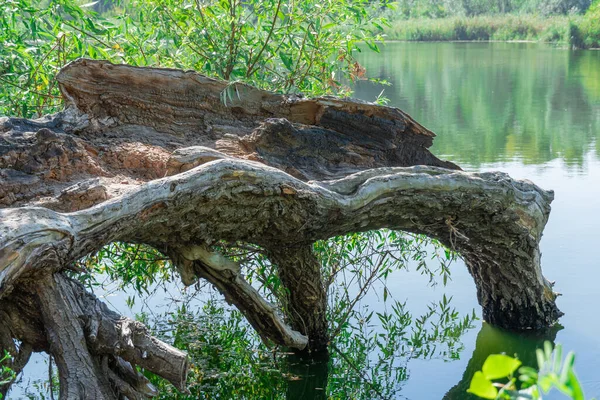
[[287, 60], [567, 367], [557, 358], [573, 384], [545, 383], [547, 350], [498, 366], [541, 360], [482, 387], [528, 374]]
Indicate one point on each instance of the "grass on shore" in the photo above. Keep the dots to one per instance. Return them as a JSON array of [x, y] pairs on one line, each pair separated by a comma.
[[576, 31]]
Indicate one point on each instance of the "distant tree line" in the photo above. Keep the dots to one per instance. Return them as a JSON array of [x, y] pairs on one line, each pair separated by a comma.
[[448, 8]]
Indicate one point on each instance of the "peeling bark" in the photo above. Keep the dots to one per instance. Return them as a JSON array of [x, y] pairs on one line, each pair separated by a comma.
[[153, 156]]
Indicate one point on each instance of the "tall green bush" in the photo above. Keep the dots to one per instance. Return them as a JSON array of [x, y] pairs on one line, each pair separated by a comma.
[[590, 27], [287, 46], [470, 8]]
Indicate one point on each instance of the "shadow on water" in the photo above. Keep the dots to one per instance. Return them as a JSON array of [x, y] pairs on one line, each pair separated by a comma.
[[313, 376], [492, 340]]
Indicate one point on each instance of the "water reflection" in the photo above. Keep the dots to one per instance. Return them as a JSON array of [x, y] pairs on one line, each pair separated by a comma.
[[491, 102], [492, 340], [311, 376]]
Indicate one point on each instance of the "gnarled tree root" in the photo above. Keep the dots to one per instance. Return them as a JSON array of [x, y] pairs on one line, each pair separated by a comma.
[[95, 349]]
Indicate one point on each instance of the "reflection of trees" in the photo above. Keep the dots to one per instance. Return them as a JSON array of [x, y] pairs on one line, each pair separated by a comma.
[[495, 102], [492, 340], [370, 358], [586, 67], [314, 373]]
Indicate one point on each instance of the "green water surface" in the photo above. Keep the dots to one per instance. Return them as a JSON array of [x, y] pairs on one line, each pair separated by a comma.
[[533, 111]]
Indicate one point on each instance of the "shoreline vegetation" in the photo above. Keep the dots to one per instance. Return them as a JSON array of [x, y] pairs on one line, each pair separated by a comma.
[[575, 31]]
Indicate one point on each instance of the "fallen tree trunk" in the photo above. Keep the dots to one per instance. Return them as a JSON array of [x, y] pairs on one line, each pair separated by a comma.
[[160, 157]]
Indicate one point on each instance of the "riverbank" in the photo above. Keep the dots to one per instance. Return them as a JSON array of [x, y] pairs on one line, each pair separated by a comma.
[[576, 31]]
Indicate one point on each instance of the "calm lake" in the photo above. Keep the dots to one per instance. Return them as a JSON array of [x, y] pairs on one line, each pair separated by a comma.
[[532, 111]]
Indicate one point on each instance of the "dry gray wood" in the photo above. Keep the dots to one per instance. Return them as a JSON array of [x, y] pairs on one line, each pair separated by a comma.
[[494, 222]]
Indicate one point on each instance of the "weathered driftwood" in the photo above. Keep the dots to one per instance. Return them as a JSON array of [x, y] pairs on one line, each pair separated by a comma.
[[179, 162]]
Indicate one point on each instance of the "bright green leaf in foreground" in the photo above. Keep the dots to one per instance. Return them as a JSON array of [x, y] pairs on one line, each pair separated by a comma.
[[499, 366], [482, 387], [554, 374]]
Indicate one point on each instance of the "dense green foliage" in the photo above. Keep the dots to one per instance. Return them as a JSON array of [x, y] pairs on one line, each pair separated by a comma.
[[6, 374], [498, 379], [589, 29], [576, 31], [486, 27], [287, 46]]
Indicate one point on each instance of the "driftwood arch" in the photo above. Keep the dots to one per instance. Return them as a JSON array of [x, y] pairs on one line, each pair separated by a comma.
[[179, 161]]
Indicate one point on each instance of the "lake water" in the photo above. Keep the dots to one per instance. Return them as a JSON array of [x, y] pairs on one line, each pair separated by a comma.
[[532, 111]]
